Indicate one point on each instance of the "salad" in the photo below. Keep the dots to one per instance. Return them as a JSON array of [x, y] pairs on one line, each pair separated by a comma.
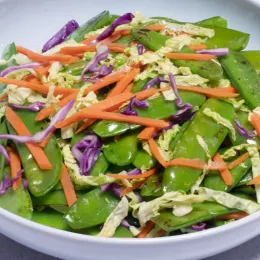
[[129, 126]]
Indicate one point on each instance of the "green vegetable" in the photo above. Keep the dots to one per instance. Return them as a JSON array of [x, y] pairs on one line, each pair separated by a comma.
[[247, 178], [51, 218], [51, 198], [76, 68], [182, 178], [123, 151], [201, 212], [139, 85], [91, 209], [3, 130], [159, 108], [125, 40], [243, 77], [217, 21], [154, 41], [153, 186], [97, 22], [178, 135], [249, 190], [40, 181], [253, 57], [143, 160]]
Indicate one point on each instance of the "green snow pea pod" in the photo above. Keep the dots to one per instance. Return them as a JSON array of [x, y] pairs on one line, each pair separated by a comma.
[[18, 202], [249, 190], [58, 186], [159, 108], [92, 209], [182, 178], [253, 57], [153, 186], [76, 68], [116, 169], [215, 182], [178, 135], [154, 41], [243, 76], [247, 178], [40, 181], [123, 151], [51, 198], [139, 85], [201, 212], [51, 218], [143, 160], [112, 18], [93, 24], [125, 40], [3, 130]]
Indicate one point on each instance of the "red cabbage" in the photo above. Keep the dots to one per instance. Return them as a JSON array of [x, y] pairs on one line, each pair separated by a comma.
[[154, 81], [184, 114], [242, 131], [125, 224], [198, 227], [61, 35], [86, 152], [25, 184], [175, 90], [32, 107], [6, 183], [156, 133], [19, 67], [134, 172], [124, 19], [141, 49], [217, 52], [129, 110], [4, 153]]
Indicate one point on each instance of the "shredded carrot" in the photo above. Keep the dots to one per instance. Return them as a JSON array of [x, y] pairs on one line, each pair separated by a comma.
[[255, 181], [144, 94], [15, 165], [28, 77], [161, 233], [3, 97], [134, 187], [235, 216], [38, 87], [89, 39], [123, 83], [238, 161], [42, 70], [225, 173], [130, 177], [46, 140], [128, 89], [195, 163], [255, 120], [155, 27], [190, 56], [156, 152], [108, 103], [146, 230], [147, 133], [85, 125], [68, 186], [36, 151], [211, 92], [44, 58], [197, 47], [77, 49]]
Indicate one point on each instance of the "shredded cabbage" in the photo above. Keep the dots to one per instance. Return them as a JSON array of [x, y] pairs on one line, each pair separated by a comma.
[[221, 120], [180, 203], [184, 71], [17, 96], [168, 94], [231, 152], [190, 80], [229, 200], [166, 137], [115, 219]]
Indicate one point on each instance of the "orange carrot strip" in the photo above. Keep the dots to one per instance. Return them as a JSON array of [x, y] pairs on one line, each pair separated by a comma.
[[15, 165], [156, 152], [238, 161], [99, 114], [105, 104], [123, 83], [68, 186], [128, 89], [89, 39], [198, 47], [211, 92], [195, 164], [190, 56], [225, 173], [144, 94], [46, 140], [38, 87], [155, 27], [131, 177], [255, 120], [85, 125], [255, 181], [42, 70], [235, 216], [36, 151], [3, 97], [146, 230], [44, 58], [134, 187], [147, 133], [77, 49]]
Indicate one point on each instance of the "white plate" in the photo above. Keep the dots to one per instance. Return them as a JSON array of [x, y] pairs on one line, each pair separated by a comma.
[[31, 23]]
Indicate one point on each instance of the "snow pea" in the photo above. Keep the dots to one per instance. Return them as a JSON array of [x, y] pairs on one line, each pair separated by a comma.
[[58, 186], [153, 186], [182, 178], [51, 218], [154, 41], [159, 108], [139, 85], [201, 212], [243, 76], [125, 40], [247, 178], [93, 24], [123, 151], [76, 68], [91, 209], [143, 160], [40, 181], [215, 182], [18, 202], [248, 190], [253, 57], [3, 130]]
